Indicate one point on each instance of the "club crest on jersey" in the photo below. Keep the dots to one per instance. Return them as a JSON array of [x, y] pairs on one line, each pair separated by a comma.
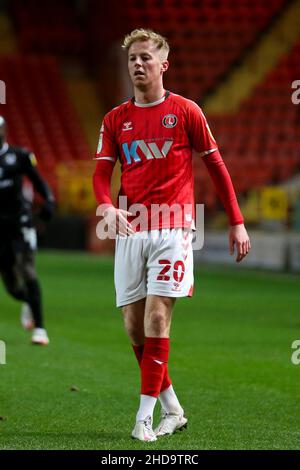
[[169, 121], [127, 126]]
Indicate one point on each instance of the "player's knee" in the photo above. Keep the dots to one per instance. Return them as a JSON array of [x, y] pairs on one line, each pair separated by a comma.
[[29, 273], [157, 322]]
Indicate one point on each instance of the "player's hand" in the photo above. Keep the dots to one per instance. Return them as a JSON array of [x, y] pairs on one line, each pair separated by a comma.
[[47, 211], [117, 222], [238, 237]]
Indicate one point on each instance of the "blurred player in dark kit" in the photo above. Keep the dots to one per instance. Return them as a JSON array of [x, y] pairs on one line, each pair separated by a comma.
[[18, 234]]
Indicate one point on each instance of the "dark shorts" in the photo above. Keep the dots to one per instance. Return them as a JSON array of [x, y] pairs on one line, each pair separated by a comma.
[[15, 239]]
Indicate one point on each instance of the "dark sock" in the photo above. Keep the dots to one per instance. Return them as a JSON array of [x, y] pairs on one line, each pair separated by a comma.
[[35, 302]]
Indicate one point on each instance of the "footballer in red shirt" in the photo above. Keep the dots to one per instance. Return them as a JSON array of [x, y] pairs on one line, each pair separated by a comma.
[[154, 136]]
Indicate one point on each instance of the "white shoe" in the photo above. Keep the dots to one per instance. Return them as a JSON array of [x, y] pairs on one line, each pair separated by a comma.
[[26, 317], [143, 430], [170, 422], [39, 336]]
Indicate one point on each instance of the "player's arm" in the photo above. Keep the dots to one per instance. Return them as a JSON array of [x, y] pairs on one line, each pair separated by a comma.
[[106, 157], [48, 208], [116, 219], [204, 143], [238, 235]]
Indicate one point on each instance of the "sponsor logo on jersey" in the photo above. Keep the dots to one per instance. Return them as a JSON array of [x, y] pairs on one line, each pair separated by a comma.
[[169, 121], [10, 158], [149, 150], [127, 126]]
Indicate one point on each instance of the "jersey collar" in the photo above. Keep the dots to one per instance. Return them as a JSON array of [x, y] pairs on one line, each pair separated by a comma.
[[154, 103], [4, 149]]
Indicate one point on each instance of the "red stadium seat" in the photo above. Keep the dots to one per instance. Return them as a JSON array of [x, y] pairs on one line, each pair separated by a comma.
[[40, 115], [261, 143]]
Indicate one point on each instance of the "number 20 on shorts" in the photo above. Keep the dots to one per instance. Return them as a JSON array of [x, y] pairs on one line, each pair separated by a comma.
[[177, 271]]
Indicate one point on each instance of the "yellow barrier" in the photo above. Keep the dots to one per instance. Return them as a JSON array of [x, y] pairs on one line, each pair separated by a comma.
[[274, 204], [75, 189]]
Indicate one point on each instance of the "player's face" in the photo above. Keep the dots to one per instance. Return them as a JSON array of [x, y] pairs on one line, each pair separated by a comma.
[[145, 64]]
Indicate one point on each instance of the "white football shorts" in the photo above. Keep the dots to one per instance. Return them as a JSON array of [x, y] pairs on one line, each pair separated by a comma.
[[158, 262]]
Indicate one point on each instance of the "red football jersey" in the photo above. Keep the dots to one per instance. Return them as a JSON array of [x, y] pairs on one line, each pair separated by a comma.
[[154, 143]]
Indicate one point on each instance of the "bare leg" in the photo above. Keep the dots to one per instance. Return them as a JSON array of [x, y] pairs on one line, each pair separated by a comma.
[[158, 314], [133, 315]]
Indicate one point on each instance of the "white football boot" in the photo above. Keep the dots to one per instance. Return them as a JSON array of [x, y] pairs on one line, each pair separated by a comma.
[[26, 317], [39, 336], [170, 422], [143, 430]]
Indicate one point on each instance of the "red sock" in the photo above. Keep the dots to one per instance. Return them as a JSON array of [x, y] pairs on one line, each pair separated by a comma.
[[155, 356], [138, 351]]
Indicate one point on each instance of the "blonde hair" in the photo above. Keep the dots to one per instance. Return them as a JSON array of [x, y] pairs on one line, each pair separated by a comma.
[[142, 34]]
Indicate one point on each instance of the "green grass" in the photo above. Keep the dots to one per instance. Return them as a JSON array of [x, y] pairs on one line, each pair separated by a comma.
[[230, 363]]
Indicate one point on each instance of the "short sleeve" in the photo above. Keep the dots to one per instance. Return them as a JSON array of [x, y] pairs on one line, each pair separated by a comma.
[[107, 148], [202, 140]]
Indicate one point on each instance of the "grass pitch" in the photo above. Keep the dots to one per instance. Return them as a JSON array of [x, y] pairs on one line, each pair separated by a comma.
[[230, 363]]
